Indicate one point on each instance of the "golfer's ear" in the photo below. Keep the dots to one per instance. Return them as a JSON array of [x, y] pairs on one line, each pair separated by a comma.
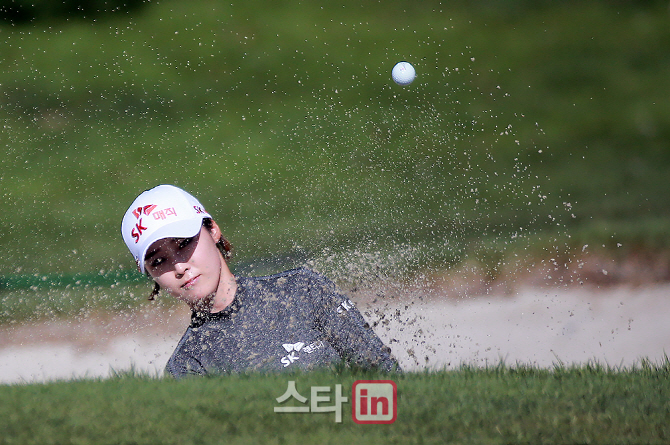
[[215, 231]]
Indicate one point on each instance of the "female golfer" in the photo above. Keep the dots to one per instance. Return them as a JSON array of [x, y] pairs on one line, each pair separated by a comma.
[[292, 320]]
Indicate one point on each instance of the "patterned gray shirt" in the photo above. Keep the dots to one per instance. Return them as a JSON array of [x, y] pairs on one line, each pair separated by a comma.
[[292, 320]]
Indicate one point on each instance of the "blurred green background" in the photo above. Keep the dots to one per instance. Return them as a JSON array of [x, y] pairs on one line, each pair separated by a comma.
[[531, 127]]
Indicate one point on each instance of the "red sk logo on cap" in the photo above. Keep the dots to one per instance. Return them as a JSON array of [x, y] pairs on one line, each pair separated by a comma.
[[143, 210], [137, 231]]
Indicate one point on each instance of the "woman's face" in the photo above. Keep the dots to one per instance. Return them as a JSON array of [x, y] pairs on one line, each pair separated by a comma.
[[189, 269]]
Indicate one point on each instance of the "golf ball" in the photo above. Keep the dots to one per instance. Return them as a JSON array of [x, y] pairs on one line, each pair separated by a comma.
[[403, 73]]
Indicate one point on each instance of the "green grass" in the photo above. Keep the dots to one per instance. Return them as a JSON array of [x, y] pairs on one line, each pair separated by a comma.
[[526, 130], [498, 404]]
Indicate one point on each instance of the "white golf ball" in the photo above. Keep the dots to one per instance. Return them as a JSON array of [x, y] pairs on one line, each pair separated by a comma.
[[403, 73]]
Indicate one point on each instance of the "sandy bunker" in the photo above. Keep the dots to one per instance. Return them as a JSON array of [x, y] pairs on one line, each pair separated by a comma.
[[533, 325]]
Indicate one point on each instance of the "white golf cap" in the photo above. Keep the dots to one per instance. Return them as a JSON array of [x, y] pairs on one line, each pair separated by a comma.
[[164, 211]]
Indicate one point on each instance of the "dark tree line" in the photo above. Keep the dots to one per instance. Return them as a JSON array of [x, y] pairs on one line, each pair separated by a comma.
[[21, 12]]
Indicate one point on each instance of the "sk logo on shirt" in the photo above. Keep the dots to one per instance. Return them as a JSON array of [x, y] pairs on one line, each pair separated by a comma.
[[345, 306], [292, 349]]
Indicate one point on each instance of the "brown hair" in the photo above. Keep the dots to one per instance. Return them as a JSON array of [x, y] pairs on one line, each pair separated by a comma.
[[223, 245]]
